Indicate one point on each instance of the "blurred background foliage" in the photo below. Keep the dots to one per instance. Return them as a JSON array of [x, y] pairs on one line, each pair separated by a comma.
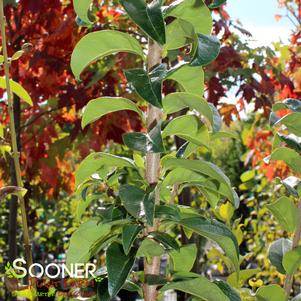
[[242, 83]]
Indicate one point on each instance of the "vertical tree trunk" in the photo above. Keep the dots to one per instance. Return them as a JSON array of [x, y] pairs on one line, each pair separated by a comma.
[[152, 172]]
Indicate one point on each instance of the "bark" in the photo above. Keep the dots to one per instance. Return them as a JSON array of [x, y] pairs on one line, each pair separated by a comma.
[[152, 172]]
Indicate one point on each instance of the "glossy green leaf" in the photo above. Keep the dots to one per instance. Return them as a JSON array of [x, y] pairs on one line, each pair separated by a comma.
[[217, 232], [191, 79], [168, 212], [194, 12], [292, 121], [129, 234], [182, 175], [206, 50], [151, 142], [188, 127], [276, 253], [148, 17], [290, 103], [98, 44], [132, 198], [244, 275], [216, 3], [178, 34], [102, 293], [165, 239], [83, 239], [150, 248], [149, 207], [217, 120], [271, 293], [291, 141], [178, 101], [286, 213], [208, 169], [81, 8], [99, 107], [289, 156], [17, 89], [119, 266], [92, 163], [183, 260], [199, 287], [223, 135], [292, 260], [228, 290], [148, 86], [186, 150], [292, 185]]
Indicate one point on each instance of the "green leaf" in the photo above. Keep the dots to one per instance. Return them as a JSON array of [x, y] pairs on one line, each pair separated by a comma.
[[98, 44], [208, 169], [99, 107], [191, 79], [119, 266], [165, 239], [84, 238], [186, 150], [178, 101], [148, 86], [151, 142], [285, 212], [183, 260], [271, 293], [206, 50], [129, 234], [182, 175], [290, 103], [167, 212], [194, 12], [81, 8], [292, 122], [291, 184], [216, 3], [292, 260], [248, 176], [150, 248], [276, 252], [178, 34], [228, 290], [217, 120], [102, 293], [217, 232], [149, 207], [188, 127], [291, 140], [289, 156], [132, 198], [148, 17], [199, 287], [244, 275], [92, 163], [16, 89]]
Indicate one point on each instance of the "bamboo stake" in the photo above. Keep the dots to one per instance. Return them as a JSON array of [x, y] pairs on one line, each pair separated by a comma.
[[15, 153]]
